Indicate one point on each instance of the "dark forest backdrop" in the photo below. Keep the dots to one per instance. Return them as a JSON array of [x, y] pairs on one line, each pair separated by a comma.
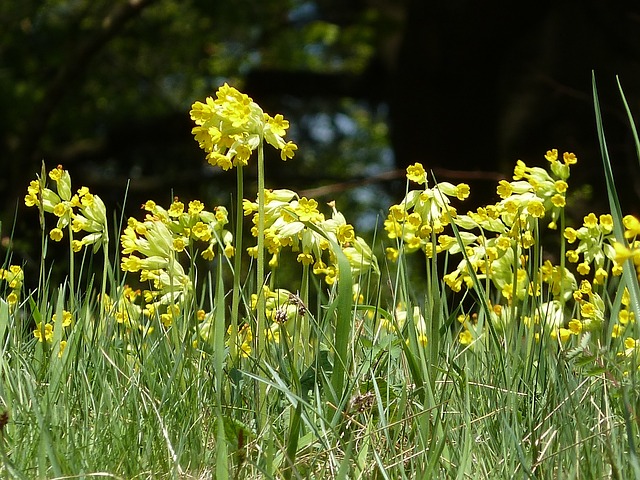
[[370, 86]]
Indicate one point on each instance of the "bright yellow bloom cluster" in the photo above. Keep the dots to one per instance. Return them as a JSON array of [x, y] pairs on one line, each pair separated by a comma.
[[83, 210], [421, 213], [534, 194], [153, 247], [592, 239], [232, 126], [565, 310], [296, 223]]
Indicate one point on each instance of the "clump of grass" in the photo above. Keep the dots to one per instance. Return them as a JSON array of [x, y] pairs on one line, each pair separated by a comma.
[[519, 360]]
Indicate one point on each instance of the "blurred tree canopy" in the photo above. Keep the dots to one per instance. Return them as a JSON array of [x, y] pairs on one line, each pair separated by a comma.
[[465, 87]]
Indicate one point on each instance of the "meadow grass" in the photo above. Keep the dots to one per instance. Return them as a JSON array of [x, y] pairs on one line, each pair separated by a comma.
[[449, 346]]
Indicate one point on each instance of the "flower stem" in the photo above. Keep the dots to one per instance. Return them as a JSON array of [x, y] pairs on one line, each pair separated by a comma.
[[260, 320], [237, 266], [72, 274]]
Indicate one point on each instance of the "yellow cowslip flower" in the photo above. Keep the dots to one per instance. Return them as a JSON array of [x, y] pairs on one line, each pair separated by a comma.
[[600, 276], [583, 268], [626, 316], [392, 254], [563, 334], [305, 259], [43, 332], [631, 346], [575, 326], [12, 299], [66, 318], [559, 200], [176, 208], [552, 155], [588, 310], [606, 223], [569, 158], [201, 231], [14, 276], [288, 151], [180, 243], [63, 182], [307, 210], [560, 186], [591, 221], [61, 349], [417, 174], [632, 226], [195, 207], [167, 318], [504, 189], [617, 330], [465, 337]]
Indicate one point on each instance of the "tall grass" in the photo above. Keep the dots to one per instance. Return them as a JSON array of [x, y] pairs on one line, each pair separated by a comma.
[[352, 372]]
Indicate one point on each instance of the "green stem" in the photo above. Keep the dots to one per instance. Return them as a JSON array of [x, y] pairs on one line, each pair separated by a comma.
[[305, 330], [237, 267], [105, 270], [261, 307], [72, 282]]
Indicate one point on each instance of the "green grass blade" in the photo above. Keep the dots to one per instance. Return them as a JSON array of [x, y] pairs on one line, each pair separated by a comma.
[[629, 273], [222, 469]]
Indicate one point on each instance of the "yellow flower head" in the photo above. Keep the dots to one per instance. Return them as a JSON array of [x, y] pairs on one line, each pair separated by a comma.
[[417, 174], [232, 126]]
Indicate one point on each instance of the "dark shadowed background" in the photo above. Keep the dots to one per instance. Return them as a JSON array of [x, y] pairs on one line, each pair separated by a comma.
[[465, 87]]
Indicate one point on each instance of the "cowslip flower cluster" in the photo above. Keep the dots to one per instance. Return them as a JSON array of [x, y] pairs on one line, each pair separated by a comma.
[[498, 242], [83, 211], [295, 222], [593, 245], [231, 126], [421, 213], [153, 247], [513, 222]]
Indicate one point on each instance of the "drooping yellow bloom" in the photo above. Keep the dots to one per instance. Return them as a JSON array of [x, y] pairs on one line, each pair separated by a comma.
[[83, 211], [417, 174]]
